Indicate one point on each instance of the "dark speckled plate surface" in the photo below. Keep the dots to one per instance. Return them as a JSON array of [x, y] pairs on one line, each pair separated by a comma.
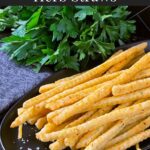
[[8, 137]]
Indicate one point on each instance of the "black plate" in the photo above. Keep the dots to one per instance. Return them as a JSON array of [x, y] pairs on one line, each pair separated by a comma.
[[8, 136]]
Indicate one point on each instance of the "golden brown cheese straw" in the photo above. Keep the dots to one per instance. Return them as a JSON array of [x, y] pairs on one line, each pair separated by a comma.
[[20, 110], [57, 145], [68, 78], [41, 122], [77, 96], [102, 92], [103, 139], [131, 97], [20, 120], [49, 127], [121, 64], [53, 114], [50, 86], [140, 101], [87, 138], [116, 53], [118, 66], [138, 147], [143, 74], [78, 88], [99, 70], [130, 87], [81, 119], [135, 130], [70, 99], [134, 61], [81, 87], [30, 113], [92, 135], [124, 105], [124, 62], [71, 141], [47, 87], [128, 127], [20, 131], [101, 112], [99, 121], [33, 120], [135, 120], [131, 141], [102, 79], [88, 116]]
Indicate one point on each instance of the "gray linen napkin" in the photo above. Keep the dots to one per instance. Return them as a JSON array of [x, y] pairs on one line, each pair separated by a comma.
[[15, 81]]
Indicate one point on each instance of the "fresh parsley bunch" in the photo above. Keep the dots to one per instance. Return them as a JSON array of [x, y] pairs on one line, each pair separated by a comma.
[[64, 36]]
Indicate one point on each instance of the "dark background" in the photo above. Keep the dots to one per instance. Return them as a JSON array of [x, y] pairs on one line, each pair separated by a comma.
[[75, 2], [142, 16]]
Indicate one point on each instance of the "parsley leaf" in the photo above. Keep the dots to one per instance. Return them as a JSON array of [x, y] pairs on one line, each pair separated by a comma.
[[83, 12], [33, 21]]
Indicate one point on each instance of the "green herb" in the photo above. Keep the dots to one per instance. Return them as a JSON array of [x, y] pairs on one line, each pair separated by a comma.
[[10, 16], [64, 36]]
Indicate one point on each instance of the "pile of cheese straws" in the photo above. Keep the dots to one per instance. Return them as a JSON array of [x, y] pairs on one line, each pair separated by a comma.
[[107, 107]]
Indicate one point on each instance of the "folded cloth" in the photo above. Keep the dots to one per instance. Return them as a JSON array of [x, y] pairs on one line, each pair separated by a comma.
[[16, 81]]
